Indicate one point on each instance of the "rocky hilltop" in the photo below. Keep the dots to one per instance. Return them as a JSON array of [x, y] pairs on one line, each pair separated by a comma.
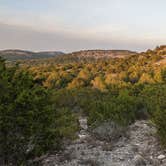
[[103, 53]]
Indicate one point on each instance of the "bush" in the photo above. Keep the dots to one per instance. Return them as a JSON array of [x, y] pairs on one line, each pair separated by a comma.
[[160, 121], [66, 123], [30, 125], [154, 97], [121, 109]]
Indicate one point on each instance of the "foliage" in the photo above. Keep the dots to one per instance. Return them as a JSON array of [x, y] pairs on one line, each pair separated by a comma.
[[40, 100], [154, 97], [121, 109], [30, 125], [160, 121]]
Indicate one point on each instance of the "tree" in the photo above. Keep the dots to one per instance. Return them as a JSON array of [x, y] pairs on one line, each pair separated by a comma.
[[146, 78], [85, 75], [76, 83], [29, 122], [51, 81], [111, 79], [158, 76], [98, 83]]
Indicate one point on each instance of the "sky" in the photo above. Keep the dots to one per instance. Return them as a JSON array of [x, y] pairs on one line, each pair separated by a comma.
[[71, 25]]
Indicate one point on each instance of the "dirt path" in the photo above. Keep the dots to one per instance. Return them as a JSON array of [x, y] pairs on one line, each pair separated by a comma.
[[140, 148]]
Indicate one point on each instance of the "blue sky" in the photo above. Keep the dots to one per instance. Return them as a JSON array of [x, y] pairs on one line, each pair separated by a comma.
[[71, 25]]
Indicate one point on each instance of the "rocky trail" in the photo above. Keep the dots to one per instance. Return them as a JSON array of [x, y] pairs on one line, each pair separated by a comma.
[[139, 147]]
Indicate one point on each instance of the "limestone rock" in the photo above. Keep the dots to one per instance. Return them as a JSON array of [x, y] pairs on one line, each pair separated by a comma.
[[161, 157]]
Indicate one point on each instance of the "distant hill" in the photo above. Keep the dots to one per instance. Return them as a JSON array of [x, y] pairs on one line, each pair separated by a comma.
[[103, 53], [13, 55]]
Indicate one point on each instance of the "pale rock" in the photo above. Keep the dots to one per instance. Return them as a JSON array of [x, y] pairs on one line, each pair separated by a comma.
[[161, 157]]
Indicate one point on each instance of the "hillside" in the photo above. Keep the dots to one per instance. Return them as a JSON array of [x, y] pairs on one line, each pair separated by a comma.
[[102, 53], [13, 55], [118, 96]]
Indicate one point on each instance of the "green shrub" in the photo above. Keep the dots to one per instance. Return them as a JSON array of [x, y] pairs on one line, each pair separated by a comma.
[[160, 121], [154, 97], [121, 109], [66, 123], [30, 123]]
